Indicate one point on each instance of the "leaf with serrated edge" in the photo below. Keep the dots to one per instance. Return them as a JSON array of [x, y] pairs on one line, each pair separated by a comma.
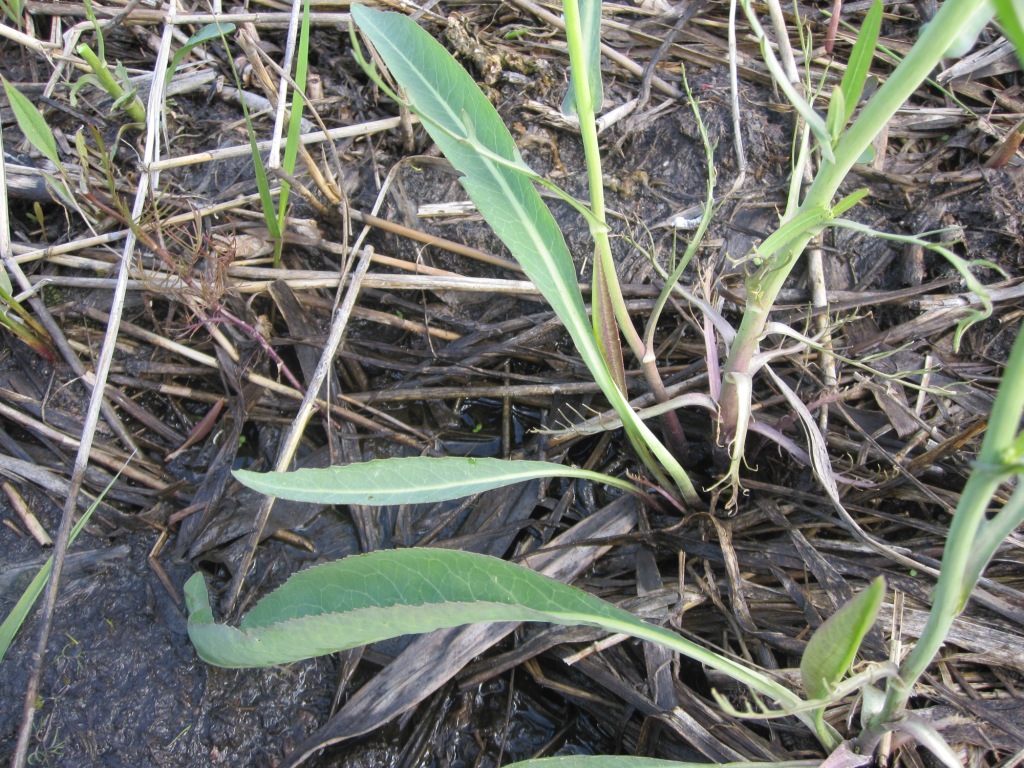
[[833, 647]]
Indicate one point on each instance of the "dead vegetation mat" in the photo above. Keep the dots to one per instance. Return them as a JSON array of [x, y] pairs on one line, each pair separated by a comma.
[[448, 351]]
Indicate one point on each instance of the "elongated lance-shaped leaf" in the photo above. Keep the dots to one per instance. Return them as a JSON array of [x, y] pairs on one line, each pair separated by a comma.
[[32, 123], [410, 480], [367, 598], [833, 647], [859, 65], [589, 12], [459, 118], [291, 147], [451, 105]]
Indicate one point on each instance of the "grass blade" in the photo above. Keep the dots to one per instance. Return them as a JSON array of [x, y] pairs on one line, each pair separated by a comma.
[[1010, 15], [861, 56], [204, 35], [291, 147]]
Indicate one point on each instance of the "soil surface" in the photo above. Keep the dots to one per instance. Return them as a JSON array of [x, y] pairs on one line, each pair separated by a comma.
[[218, 343]]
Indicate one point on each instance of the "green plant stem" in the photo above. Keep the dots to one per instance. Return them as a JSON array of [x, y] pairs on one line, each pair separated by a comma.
[[607, 287], [585, 110], [763, 285], [99, 68], [970, 543]]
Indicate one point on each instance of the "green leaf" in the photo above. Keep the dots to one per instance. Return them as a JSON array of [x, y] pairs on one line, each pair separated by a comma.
[[411, 480], [969, 27], [32, 123], [834, 646], [385, 594], [291, 147], [850, 200], [1010, 15], [835, 120], [590, 26], [860, 59], [204, 35], [444, 95], [470, 133], [13, 10]]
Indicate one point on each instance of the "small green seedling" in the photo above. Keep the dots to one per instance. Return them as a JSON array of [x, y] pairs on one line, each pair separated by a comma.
[[833, 647], [116, 83], [274, 214]]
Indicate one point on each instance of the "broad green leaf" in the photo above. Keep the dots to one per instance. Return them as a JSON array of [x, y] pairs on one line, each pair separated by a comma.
[[204, 35], [367, 598], [470, 133], [589, 14], [860, 59], [834, 646], [32, 123], [1010, 15], [411, 480], [456, 113]]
